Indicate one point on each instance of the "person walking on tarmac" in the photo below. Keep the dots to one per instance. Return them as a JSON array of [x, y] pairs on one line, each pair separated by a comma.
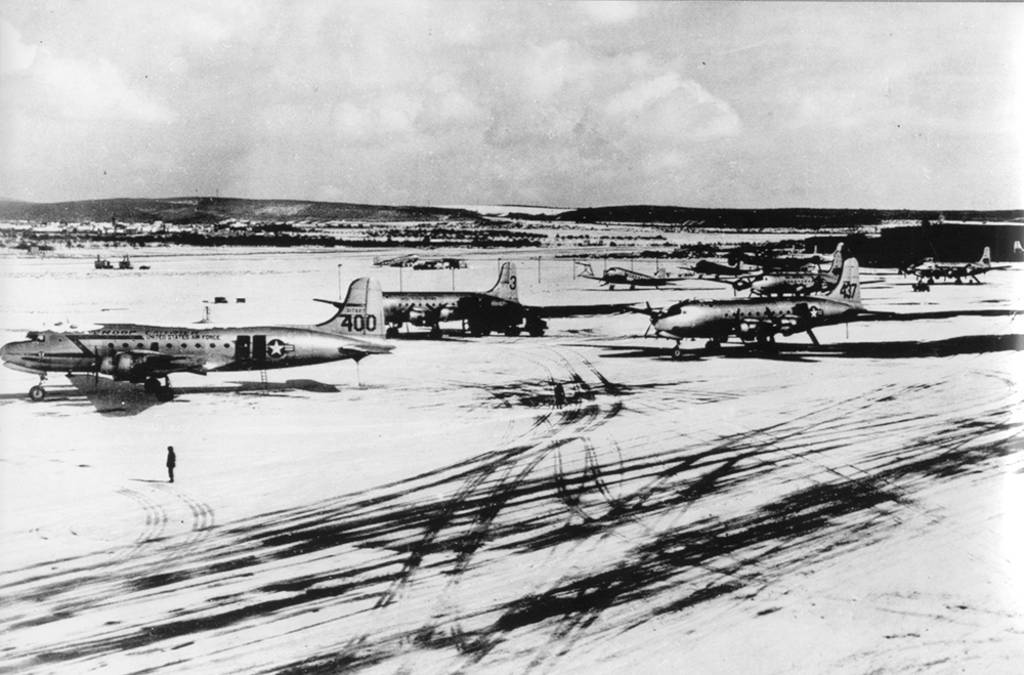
[[172, 460]]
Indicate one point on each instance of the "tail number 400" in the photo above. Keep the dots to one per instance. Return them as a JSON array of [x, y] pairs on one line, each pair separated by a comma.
[[848, 289], [359, 322]]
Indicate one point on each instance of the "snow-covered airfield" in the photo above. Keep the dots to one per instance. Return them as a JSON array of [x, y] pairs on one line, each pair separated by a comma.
[[850, 508]]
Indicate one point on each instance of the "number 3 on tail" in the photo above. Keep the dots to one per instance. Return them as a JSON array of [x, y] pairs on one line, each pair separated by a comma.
[[359, 322], [848, 290]]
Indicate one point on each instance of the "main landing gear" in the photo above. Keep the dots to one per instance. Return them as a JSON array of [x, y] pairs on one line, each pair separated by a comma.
[[162, 390], [712, 346]]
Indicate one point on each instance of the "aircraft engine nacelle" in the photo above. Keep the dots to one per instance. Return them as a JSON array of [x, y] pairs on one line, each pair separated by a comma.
[[120, 366], [445, 313], [417, 317], [748, 327]]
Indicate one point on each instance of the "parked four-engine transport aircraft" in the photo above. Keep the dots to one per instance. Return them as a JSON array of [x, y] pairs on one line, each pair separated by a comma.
[[770, 261], [497, 309], [142, 353], [928, 270], [623, 277], [707, 269], [794, 283], [758, 319]]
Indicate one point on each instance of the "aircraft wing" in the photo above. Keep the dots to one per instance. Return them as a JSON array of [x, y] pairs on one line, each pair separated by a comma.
[[157, 364]]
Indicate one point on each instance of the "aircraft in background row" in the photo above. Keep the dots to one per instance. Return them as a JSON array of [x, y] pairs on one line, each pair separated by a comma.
[[147, 354], [439, 264], [407, 260], [794, 283], [623, 277], [497, 309], [706, 269], [758, 320], [929, 271], [769, 261]]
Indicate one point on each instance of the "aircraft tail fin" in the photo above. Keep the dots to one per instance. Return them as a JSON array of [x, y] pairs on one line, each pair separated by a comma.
[[362, 312], [588, 271], [986, 257], [848, 288], [507, 286], [837, 260]]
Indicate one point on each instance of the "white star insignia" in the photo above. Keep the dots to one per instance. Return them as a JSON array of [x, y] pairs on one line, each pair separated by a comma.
[[276, 349]]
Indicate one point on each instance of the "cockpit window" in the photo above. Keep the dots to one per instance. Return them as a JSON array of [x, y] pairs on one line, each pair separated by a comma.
[[674, 309], [37, 336]]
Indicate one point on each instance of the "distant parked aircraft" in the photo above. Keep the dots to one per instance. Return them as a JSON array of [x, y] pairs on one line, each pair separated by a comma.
[[706, 268], [796, 283], [631, 278], [439, 264], [407, 260], [928, 270], [497, 309], [770, 261], [147, 354], [758, 320]]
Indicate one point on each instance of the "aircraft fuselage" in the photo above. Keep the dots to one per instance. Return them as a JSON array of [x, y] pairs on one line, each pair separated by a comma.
[[138, 352], [749, 317]]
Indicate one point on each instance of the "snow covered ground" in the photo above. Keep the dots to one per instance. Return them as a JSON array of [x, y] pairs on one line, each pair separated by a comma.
[[856, 507]]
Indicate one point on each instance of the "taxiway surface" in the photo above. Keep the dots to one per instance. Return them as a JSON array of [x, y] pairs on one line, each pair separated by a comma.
[[853, 507]]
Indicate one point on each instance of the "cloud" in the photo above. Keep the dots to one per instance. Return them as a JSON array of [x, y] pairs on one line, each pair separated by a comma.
[[15, 54], [50, 85], [611, 11], [571, 102]]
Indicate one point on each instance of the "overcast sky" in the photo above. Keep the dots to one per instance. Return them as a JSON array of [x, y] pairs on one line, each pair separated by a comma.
[[914, 105]]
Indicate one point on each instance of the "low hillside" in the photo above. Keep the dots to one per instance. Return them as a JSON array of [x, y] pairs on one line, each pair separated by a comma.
[[214, 209]]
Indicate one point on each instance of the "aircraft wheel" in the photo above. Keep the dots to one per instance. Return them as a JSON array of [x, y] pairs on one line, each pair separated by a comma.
[[677, 353], [391, 332], [512, 331], [152, 385], [435, 331], [164, 394], [36, 393], [712, 346], [536, 331]]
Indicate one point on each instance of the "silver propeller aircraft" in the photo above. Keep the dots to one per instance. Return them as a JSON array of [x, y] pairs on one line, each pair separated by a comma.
[[623, 277], [758, 320], [147, 354], [928, 270]]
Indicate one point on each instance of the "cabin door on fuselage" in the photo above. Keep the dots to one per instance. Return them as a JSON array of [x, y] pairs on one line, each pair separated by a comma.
[[242, 348], [259, 348]]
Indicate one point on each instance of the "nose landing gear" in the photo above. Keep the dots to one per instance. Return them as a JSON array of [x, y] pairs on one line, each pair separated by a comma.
[[38, 393]]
